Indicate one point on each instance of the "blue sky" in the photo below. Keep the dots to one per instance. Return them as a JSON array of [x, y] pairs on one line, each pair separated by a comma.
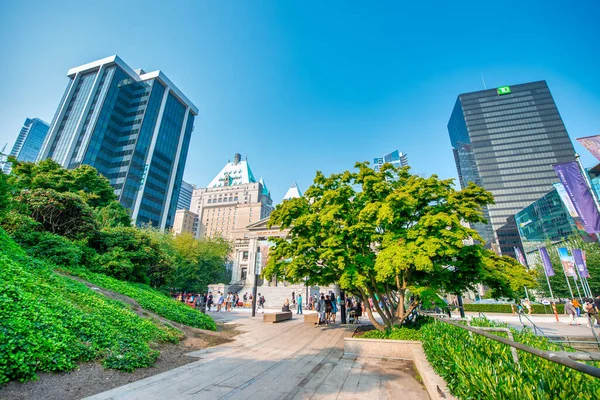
[[300, 86]]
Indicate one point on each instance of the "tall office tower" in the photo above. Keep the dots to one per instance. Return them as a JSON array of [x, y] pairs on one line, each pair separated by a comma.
[[185, 196], [395, 158], [29, 142], [506, 140], [133, 126], [231, 201]]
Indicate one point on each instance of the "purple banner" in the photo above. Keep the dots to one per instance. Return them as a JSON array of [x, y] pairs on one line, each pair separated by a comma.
[[579, 193], [520, 257], [546, 261], [592, 143], [581, 262]]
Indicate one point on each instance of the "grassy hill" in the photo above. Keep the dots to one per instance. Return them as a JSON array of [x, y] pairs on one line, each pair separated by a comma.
[[49, 322]]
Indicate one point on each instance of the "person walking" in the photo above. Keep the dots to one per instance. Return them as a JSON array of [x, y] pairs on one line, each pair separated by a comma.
[[577, 306], [570, 311], [220, 302], [209, 301], [328, 309], [299, 299], [310, 302], [592, 313], [334, 307], [322, 310]]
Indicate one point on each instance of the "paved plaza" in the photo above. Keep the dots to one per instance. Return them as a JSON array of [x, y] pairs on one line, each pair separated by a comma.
[[287, 360]]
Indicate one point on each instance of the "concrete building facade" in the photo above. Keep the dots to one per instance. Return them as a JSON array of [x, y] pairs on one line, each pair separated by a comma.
[[231, 201], [185, 222]]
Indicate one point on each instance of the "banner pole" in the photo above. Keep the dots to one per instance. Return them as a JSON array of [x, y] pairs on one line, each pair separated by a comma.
[[566, 277], [551, 294]]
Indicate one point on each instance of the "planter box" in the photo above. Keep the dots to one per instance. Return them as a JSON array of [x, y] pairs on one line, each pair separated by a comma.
[[401, 350]]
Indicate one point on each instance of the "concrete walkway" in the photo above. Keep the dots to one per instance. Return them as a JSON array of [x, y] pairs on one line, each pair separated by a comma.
[[287, 360]]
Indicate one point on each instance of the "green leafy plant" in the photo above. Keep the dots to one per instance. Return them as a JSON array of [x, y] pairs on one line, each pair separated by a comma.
[[479, 368], [150, 299], [49, 322]]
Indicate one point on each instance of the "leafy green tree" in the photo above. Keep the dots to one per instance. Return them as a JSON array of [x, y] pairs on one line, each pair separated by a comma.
[[381, 234], [65, 214], [205, 263], [84, 180], [112, 216], [115, 245]]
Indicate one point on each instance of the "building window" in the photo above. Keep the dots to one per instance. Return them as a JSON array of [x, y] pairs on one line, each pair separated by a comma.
[[245, 256]]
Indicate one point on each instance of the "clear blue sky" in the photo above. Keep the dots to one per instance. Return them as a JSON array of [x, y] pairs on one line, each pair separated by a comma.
[[300, 86]]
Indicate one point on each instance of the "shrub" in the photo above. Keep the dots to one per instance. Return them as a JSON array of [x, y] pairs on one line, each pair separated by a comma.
[[506, 308], [479, 368], [401, 333], [49, 322]]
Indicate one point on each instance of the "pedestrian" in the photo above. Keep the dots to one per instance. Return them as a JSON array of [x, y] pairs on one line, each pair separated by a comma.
[[592, 312], [333, 307], [323, 310], [527, 305], [310, 302], [577, 306], [209, 301], [286, 306], [294, 298], [299, 304], [570, 311], [220, 302], [328, 308]]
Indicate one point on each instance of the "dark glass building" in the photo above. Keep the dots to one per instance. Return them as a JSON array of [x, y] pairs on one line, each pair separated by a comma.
[[506, 140], [29, 142], [133, 126], [546, 220]]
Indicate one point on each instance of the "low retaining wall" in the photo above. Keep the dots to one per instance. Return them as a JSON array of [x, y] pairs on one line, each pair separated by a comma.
[[401, 350]]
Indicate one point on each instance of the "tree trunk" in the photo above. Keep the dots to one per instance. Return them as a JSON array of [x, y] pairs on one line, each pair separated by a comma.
[[376, 324], [412, 306]]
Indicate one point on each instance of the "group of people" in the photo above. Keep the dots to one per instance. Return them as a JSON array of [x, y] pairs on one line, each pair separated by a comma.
[[574, 308]]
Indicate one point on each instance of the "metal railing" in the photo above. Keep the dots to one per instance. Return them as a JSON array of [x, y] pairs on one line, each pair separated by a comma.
[[568, 359]]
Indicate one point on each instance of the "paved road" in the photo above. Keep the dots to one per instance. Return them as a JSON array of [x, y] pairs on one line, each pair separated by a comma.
[[547, 323], [287, 360]]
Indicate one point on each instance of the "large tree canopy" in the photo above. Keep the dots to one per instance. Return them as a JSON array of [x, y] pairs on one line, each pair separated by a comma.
[[84, 180], [379, 234]]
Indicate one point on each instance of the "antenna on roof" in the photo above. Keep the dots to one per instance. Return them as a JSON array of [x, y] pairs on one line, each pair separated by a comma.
[[483, 80]]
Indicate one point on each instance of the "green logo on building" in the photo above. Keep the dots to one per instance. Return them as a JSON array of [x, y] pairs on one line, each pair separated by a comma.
[[504, 90]]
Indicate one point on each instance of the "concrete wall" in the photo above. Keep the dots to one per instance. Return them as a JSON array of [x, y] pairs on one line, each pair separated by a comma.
[[405, 350]]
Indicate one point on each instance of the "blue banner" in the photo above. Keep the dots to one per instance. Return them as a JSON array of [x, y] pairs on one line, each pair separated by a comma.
[[567, 262], [579, 193]]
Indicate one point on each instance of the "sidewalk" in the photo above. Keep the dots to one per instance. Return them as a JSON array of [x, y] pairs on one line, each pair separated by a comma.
[[286, 360]]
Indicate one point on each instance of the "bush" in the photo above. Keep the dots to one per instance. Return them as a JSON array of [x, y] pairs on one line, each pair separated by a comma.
[[150, 299], [506, 308], [49, 322], [479, 368], [402, 333]]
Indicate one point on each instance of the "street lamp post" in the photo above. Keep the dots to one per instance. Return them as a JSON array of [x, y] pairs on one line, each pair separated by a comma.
[[257, 260]]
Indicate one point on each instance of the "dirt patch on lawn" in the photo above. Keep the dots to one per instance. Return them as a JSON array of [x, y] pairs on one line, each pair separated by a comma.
[[91, 378]]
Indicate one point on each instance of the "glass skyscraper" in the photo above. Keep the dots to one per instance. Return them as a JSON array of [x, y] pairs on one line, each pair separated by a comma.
[[29, 142], [133, 126], [546, 220], [185, 196], [506, 140], [395, 158]]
